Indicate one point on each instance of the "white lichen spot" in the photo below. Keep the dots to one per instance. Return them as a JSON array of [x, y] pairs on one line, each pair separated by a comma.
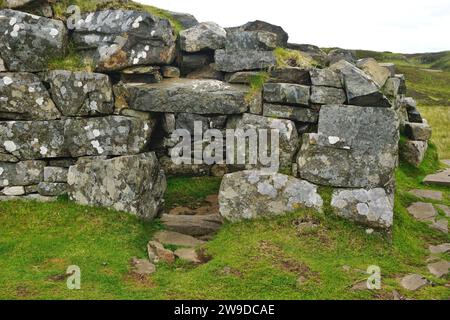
[[63, 90], [31, 89], [78, 84], [266, 189], [146, 127], [93, 105], [40, 101], [15, 31], [7, 81], [96, 133], [43, 150], [10, 146], [147, 47], [13, 21], [135, 60], [1, 171], [363, 209], [97, 146], [333, 140], [136, 22], [54, 32]]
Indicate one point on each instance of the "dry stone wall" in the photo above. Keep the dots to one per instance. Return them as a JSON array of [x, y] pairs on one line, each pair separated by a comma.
[[106, 137]]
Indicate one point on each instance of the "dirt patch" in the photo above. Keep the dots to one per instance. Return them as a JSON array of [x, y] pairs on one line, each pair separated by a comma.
[[139, 280], [23, 291]]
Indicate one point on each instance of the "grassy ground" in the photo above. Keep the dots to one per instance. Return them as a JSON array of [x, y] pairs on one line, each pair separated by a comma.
[[251, 260]]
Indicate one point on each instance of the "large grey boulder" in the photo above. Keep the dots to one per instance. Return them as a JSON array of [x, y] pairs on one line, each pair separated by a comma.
[[24, 173], [251, 194], [251, 40], [107, 136], [294, 113], [241, 60], [286, 93], [133, 184], [282, 36], [360, 88], [186, 96], [288, 137], [117, 39], [355, 147], [33, 139], [81, 93], [24, 97], [372, 208], [203, 36], [29, 42]]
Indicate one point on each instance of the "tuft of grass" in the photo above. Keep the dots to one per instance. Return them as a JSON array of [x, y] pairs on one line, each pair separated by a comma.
[[72, 61], [293, 58], [256, 85]]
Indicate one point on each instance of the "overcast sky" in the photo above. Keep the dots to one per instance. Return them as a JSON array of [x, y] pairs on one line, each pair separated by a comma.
[[383, 25]]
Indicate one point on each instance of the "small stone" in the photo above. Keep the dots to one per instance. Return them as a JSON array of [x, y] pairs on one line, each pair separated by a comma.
[[13, 191], [414, 151], [188, 254], [243, 77], [422, 211], [427, 194], [441, 225], [441, 178], [177, 239], [55, 174], [444, 208], [294, 113], [287, 93], [325, 77], [143, 266], [50, 189], [418, 131], [193, 225], [439, 269], [413, 282], [170, 72], [441, 248], [360, 286], [370, 231], [157, 253]]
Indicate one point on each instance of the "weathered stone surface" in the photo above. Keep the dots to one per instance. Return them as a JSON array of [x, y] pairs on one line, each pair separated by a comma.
[[418, 131], [440, 225], [187, 121], [422, 211], [441, 178], [286, 93], [413, 282], [233, 61], [373, 208], [117, 39], [177, 239], [288, 137], [378, 73], [52, 189], [352, 149], [190, 62], [143, 266], [33, 139], [112, 135], [325, 77], [55, 174], [29, 42], [290, 75], [207, 72], [414, 151], [170, 72], [439, 269], [28, 197], [157, 253], [81, 93], [251, 40], [16, 3], [187, 20], [311, 50], [188, 255], [24, 97], [243, 77], [338, 54], [189, 96], [441, 248], [252, 194], [444, 208], [13, 191], [2, 65], [282, 36], [390, 66], [290, 112], [327, 95], [203, 36], [361, 89], [197, 225], [21, 173], [133, 184], [427, 194]]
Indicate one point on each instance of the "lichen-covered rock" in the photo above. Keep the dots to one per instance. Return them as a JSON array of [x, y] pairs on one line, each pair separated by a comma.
[[183, 170], [325, 77], [185, 19], [290, 112], [112, 135], [203, 36], [2, 65], [418, 131], [355, 148], [241, 60], [378, 73], [16, 3], [360, 88], [33, 139], [170, 72], [13, 191], [338, 54], [188, 96], [117, 39], [81, 93], [251, 40], [373, 208], [252, 194], [23, 173], [327, 95], [414, 151], [206, 72], [52, 189], [55, 174], [29, 42], [282, 36], [288, 137], [286, 93], [133, 184], [24, 97], [312, 51]]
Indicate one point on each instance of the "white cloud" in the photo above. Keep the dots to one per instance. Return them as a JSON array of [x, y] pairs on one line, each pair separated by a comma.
[[399, 26]]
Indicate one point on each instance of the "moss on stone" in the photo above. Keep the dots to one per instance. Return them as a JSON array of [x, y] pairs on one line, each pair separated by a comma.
[[293, 58]]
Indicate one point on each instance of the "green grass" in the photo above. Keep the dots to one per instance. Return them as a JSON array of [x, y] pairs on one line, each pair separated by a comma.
[[439, 119], [261, 259], [293, 58]]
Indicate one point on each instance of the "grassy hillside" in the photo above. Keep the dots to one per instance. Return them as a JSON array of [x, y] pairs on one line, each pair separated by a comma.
[[263, 259]]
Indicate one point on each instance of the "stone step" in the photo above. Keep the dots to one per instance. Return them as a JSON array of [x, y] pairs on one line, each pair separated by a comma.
[[427, 194], [441, 178], [177, 239], [193, 225], [422, 211]]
